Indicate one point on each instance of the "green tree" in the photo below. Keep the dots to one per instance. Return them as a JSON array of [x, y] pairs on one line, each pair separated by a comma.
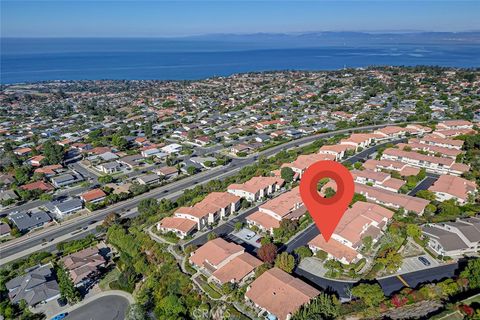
[[329, 192], [191, 170], [303, 252], [212, 235], [285, 261], [135, 312], [472, 273], [120, 142], [170, 307], [426, 194], [287, 174], [52, 152], [414, 231], [148, 129], [148, 207], [105, 179], [323, 306], [367, 243], [371, 294], [449, 208], [322, 255], [65, 284], [261, 269], [238, 225]]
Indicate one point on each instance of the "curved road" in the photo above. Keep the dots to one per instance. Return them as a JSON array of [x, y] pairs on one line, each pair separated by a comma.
[[22, 246], [111, 307]]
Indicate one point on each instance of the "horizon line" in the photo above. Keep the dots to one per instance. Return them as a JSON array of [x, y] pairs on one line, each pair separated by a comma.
[[295, 33]]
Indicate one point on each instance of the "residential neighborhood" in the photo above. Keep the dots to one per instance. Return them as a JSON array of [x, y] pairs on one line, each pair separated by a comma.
[[171, 197]]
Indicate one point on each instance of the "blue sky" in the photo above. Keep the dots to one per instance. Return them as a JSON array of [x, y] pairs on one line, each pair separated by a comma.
[[110, 18]]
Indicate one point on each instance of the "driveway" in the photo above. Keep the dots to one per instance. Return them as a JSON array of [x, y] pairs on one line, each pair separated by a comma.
[[424, 184], [413, 264]]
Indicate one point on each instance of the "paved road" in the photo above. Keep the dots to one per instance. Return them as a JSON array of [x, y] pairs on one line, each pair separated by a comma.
[[170, 191], [389, 284], [105, 308], [308, 234], [365, 154]]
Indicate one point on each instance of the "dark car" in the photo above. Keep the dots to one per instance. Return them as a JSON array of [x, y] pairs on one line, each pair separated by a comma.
[[424, 261]]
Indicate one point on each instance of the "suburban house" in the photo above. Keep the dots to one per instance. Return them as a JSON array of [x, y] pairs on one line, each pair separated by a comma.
[[405, 170], [453, 132], [386, 198], [149, 179], [4, 230], [438, 165], [132, 161], [392, 199], [110, 167], [224, 262], [62, 208], [83, 266], [337, 150], [180, 226], [415, 145], [239, 148], [435, 140], [50, 170], [37, 185], [362, 220], [36, 161], [271, 213], [37, 285], [28, 220], [167, 172], [215, 206], [458, 238], [454, 125], [22, 151], [451, 187], [304, 161], [7, 195], [377, 179], [173, 148], [256, 188], [396, 132], [359, 140], [279, 294], [152, 152], [65, 180], [93, 196]]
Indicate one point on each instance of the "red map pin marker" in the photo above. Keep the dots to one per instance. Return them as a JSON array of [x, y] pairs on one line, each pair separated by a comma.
[[327, 212]]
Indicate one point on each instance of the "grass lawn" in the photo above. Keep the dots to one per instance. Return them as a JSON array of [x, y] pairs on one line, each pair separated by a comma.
[[113, 275]]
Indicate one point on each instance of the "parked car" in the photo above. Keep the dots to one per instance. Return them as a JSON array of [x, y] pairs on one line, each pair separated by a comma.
[[424, 261], [60, 316], [250, 235]]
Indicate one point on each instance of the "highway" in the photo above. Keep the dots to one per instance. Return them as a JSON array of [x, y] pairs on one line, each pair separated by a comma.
[[25, 245]]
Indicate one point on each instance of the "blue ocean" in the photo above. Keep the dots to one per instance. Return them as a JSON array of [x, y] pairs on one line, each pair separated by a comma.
[[30, 60]]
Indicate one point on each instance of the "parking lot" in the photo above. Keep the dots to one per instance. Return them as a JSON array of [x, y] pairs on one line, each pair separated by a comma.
[[248, 236], [414, 264]]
